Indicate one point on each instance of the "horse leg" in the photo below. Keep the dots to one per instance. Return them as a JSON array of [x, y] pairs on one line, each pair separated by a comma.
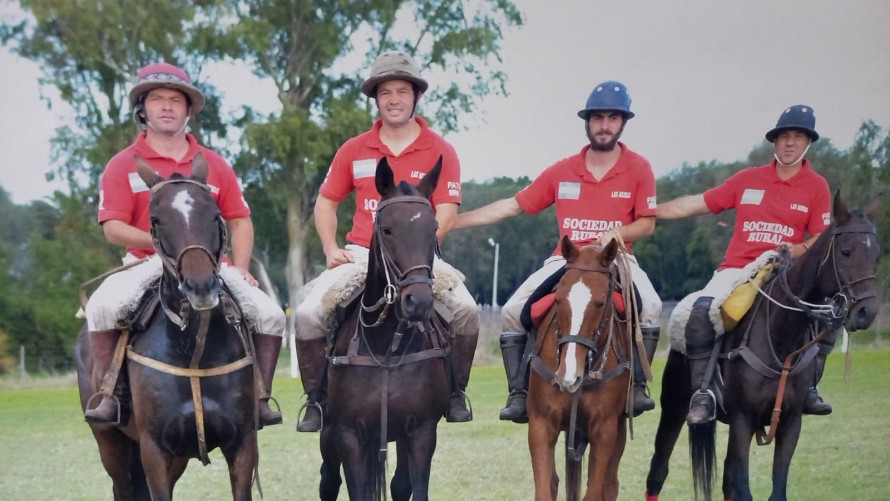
[[604, 444], [400, 486], [242, 463], [351, 449], [675, 394], [542, 437], [610, 487], [161, 471], [421, 446], [329, 486], [786, 442], [120, 457], [735, 467]]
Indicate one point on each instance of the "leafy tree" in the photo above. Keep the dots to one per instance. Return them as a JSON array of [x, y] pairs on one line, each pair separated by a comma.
[[316, 53]]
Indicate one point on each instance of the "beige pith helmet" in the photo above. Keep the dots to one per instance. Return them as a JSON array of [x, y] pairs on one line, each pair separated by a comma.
[[393, 65], [167, 76]]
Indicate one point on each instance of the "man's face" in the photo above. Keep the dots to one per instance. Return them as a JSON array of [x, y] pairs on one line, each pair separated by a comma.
[[604, 128], [790, 145], [166, 110], [395, 100]]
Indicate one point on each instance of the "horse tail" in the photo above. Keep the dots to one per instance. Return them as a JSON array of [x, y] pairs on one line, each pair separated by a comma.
[[376, 471], [703, 455], [574, 462]]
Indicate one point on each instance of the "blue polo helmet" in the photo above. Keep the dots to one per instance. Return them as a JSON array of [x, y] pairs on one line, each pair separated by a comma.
[[799, 116], [608, 96]]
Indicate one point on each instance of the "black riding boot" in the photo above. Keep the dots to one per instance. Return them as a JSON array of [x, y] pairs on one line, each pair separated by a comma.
[[699, 345], [463, 349], [512, 350], [102, 345], [642, 401], [814, 403], [267, 349], [312, 357]]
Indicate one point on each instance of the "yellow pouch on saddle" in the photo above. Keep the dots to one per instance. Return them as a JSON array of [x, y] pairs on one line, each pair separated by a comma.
[[742, 297]]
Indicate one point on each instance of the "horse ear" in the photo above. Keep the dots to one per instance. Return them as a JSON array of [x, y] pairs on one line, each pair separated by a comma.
[[568, 249], [200, 168], [609, 253], [384, 179], [145, 172], [428, 184], [839, 211]]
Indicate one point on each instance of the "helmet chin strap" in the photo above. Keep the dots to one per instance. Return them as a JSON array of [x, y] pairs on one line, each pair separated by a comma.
[[798, 159]]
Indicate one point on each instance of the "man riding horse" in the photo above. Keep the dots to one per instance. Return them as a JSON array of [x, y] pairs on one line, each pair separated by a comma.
[[411, 150], [605, 192], [163, 100], [784, 203]]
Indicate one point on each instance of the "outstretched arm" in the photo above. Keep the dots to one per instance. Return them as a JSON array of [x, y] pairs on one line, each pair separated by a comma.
[[489, 214], [690, 205]]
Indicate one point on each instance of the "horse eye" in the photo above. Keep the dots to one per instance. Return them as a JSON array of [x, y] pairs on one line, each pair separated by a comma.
[[386, 231], [845, 252]]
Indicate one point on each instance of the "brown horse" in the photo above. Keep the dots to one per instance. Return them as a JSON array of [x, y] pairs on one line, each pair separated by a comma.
[[171, 370], [767, 360], [386, 377], [586, 393]]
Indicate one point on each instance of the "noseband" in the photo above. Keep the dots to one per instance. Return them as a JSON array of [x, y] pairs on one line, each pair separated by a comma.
[[174, 264], [396, 279]]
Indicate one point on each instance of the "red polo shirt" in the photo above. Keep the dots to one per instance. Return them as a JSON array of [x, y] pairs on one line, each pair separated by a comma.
[[355, 165], [770, 211], [585, 207]]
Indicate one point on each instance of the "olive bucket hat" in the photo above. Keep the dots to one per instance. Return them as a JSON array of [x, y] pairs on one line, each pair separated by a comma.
[[799, 116], [393, 65], [167, 76]]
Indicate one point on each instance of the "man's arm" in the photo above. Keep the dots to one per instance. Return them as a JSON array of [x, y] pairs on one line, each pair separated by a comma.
[[489, 214], [241, 235], [120, 233], [632, 232], [690, 205], [445, 217], [326, 226]]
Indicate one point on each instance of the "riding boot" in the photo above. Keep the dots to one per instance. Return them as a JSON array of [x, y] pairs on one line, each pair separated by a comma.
[[102, 345], [512, 350], [463, 349], [814, 404], [312, 357], [641, 399], [699, 345], [267, 349]]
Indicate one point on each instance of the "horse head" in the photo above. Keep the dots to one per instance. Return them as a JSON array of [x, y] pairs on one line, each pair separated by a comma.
[[404, 241], [583, 309], [188, 231], [848, 263]]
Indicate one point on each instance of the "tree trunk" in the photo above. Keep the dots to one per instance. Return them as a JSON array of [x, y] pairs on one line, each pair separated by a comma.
[[296, 255]]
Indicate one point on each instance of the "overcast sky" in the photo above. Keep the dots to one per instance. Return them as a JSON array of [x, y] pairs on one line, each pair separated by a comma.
[[707, 80]]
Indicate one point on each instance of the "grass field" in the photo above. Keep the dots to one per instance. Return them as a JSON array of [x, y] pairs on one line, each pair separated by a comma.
[[47, 451]]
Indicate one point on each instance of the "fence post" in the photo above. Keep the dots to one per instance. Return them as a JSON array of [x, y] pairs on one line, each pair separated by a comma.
[[24, 373]]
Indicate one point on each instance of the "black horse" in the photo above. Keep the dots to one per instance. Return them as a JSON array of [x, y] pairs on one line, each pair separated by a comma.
[[190, 374], [386, 378], [767, 360]]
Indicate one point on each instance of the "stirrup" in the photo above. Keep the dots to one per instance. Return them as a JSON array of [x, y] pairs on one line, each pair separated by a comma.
[[703, 394], [304, 410], [641, 405], [117, 404], [273, 420], [464, 404]]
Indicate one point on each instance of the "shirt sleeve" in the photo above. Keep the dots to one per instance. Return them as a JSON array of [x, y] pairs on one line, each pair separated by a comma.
[[339, 181], [539, 195], [820, 217], [723, 196], [116, 199], [644, 205], [232, 204], [448, 188]]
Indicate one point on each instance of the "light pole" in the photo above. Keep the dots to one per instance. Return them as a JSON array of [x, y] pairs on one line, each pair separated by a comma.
[[494, 279]]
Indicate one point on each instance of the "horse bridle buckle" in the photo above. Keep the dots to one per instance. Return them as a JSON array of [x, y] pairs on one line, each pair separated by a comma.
[[390, 293]]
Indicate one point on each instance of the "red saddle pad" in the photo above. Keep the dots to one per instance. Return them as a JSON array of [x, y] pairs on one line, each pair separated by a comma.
[[543, 305]]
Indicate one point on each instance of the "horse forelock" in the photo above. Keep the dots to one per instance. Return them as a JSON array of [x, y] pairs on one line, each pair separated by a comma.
[[406, 188]]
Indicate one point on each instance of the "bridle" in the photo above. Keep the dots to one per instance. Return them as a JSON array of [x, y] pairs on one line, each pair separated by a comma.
[[590, 344], [396, 279], [174, 264]]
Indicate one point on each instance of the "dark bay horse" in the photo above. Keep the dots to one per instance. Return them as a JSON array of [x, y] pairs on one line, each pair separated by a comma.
[[833, 284], [581, 378], [190, 355], [386, 377]]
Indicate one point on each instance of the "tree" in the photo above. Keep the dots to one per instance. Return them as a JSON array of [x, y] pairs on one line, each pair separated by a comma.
[[316, 52]]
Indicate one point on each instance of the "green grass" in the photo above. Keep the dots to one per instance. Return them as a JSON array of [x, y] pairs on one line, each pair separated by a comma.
[[49, 453]]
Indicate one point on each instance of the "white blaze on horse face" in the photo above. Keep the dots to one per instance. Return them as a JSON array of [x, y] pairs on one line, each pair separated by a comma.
[[415, 217], [183, 203], [579, 297]]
